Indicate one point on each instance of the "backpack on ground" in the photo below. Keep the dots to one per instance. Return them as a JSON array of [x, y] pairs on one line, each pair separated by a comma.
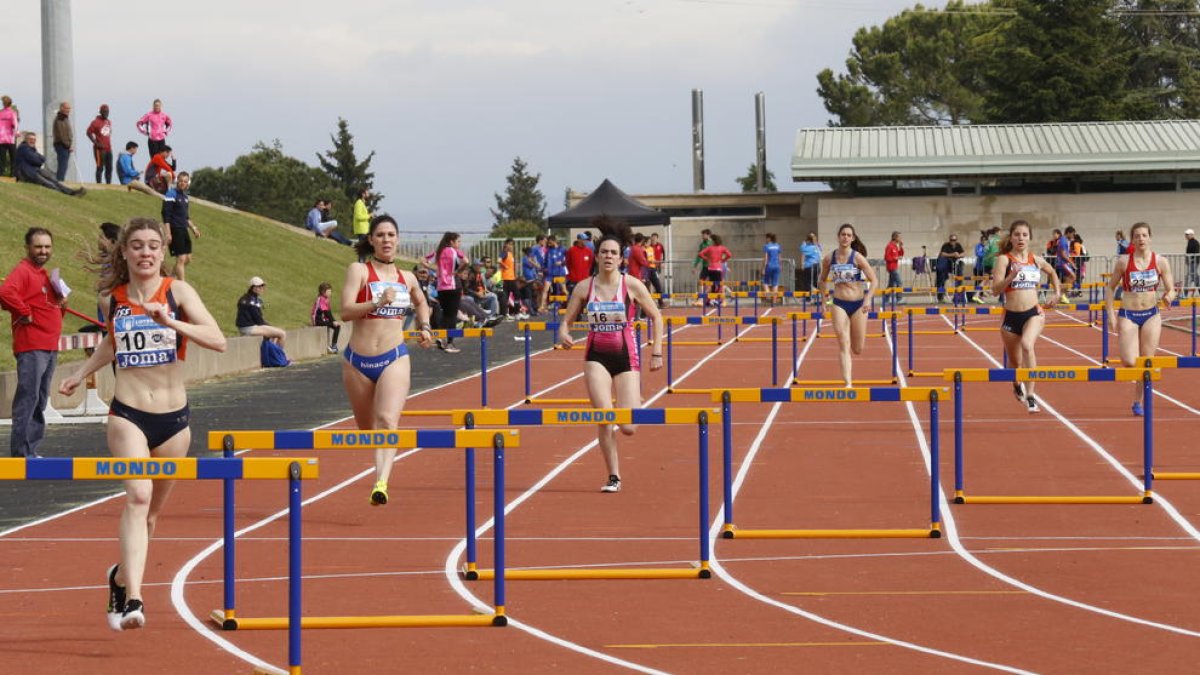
[[272, 355]]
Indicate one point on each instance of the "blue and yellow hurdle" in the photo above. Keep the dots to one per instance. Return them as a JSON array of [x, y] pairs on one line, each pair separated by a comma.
[[364, 439], [529, 327], [1055, 374], [701, 417], [828, 395]]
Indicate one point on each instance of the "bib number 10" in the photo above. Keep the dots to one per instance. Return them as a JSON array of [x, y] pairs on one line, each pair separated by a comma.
[[132, 342]]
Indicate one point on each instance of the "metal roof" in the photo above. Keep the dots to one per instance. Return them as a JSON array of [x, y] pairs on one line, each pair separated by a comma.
[[984, 150]]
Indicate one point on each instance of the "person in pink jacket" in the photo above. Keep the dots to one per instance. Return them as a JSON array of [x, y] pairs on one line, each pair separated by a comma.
[[9, 122], [155, 124]]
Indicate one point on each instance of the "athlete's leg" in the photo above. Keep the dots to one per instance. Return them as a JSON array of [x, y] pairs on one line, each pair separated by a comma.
[[600, 391]]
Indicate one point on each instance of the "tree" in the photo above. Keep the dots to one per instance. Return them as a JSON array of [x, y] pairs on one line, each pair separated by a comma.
[[343, 168], [1062, 61], [517, 229], [749, 182], [920, 67], [266, 182], [522, 199], [1164, 67]]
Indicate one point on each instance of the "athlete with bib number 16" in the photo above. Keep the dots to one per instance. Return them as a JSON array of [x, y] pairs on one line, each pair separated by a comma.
[[611, 362]]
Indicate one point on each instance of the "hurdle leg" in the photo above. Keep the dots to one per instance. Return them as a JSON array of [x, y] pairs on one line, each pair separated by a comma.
[[774, 354], [1104, 339], [528, 368], [670, 357], [935, 472], [230, 537], [895, 352], [498, 520], [483, 368], [1147, 439], [795, 350], [471, 570], [958, 439], [294, 569], [705, 573], [727, 463], [910, 342]]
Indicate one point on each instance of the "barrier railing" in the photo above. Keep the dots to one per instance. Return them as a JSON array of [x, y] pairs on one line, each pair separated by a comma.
[[593, 416], [195, 468], [851, 395], [348, 439], [1055, 374]]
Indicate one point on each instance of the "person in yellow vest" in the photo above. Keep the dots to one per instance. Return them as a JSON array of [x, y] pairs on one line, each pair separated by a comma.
[[362, 217]]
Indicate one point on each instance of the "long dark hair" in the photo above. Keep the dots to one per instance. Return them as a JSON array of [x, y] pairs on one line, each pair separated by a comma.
[[444, 244], [857, 244], [364, 247], [1006, 246], [611, 228]]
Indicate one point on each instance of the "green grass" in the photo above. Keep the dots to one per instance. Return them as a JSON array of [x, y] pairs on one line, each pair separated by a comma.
[[232, 248]]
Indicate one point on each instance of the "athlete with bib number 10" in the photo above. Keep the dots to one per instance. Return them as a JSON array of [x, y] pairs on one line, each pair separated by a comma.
[[611, 361]]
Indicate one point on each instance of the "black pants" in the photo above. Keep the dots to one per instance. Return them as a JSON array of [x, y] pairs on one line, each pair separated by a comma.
[[8, 151], [45, 178], [449, 301], [104, 164], [157, 146], [655, 282], [509, 292]]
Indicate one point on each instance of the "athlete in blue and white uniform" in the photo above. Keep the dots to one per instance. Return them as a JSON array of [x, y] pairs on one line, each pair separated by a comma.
[[377, 296], [1018, 275], [847, 269], [1141, 275], [770, 273]]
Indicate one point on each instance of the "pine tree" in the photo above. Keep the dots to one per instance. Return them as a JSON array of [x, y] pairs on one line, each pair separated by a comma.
[[749, 182], [1164, 76], [343, 167], [522, 199]]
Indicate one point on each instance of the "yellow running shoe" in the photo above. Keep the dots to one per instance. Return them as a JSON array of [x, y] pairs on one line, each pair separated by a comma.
[[379, 495]]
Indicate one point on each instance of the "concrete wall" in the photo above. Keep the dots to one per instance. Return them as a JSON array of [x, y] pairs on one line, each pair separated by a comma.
[[241, 355]]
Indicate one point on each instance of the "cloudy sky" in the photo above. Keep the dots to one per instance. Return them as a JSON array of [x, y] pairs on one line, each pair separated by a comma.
[[448, 93]]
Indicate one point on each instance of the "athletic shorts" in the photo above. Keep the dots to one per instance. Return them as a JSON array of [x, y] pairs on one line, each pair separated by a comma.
[[1014, 322], [158, 428], [614, 362], [181, 241], [1139, 317]]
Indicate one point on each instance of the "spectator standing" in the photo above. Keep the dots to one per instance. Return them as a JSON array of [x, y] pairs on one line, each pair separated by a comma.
[[64, 140], [948, 264], [579, 261], [1193, 262], [322, 315], [656, 258], [892, 253], [30, 167], [176, 215], [702, 277], [531, 276], [10, 121], [509, 305], [445, 261], [1062, 259], [638, 263], [155, 125], [362, 216], [250, 319], [36, 307], [714, 257], [810, 263], [99, 132]]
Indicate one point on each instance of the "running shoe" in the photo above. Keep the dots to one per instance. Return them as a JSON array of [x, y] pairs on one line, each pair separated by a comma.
[[1031, 403], [451, 349], [134, 615], [379, 495], [333, 349], [439, 344], [1137, 409], [613, 484], [116, 599], [1019, 391]]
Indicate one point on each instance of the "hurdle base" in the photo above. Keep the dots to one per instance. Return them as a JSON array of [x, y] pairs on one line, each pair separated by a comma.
[[1176, 475], [399, 621], [224, 618], [700, 572], [1147, 498], [932, 532]]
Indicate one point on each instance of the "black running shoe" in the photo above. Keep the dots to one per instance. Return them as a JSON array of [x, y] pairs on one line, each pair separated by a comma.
[[1032, 405], [116, 600], [1019, 392], [134, 615]]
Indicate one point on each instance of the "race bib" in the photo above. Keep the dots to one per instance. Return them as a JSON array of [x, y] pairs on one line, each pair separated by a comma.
[[141, 342], [1143, 280], [606, 317], [1028, 277], [844, 273], [401, 300]]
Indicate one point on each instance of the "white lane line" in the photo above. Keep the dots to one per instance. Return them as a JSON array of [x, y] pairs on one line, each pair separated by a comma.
[[724, 574], [950, 531]]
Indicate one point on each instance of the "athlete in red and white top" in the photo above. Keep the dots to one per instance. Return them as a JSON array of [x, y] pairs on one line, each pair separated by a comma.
[[1017, 275], [376, 297], [151, 318], [611, 361], [1142, 276]]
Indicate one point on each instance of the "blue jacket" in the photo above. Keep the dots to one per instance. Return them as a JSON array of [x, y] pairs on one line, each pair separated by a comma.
[[28, 161], [126, 171], [175, 209]]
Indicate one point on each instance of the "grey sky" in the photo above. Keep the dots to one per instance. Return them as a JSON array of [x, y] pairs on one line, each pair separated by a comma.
[[448, 93]]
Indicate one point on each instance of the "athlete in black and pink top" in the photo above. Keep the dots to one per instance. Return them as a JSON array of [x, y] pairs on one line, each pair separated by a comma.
[[611, 359], [1017, 275], [1142, 276]]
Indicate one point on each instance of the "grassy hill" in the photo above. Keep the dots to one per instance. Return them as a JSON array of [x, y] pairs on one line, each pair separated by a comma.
[[233, 246]]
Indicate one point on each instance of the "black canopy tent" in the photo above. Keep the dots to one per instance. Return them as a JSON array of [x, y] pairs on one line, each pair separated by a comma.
[[609, 200]]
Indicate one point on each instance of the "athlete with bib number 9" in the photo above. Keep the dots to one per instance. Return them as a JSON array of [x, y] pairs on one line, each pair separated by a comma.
[[151, 319], [607, 303]]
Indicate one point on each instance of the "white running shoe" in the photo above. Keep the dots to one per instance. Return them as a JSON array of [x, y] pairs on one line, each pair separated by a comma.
[[613, 485], [1031, 403]]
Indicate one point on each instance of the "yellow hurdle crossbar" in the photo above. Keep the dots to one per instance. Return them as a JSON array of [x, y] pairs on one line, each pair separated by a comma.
[[1175, 475], [442, 333], [1051, 374], [534, 326], [1145, 498], [931, 532], [575, 573], [838, 383], [343, 439], [831, 394], [155, 468], [578, 416], [560, 401]]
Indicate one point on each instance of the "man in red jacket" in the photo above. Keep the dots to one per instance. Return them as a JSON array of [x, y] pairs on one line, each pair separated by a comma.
[[892, 253], [579, 261], [36, 308]]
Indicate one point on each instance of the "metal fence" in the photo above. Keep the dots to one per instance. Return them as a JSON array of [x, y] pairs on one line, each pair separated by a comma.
[[681, 276]]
